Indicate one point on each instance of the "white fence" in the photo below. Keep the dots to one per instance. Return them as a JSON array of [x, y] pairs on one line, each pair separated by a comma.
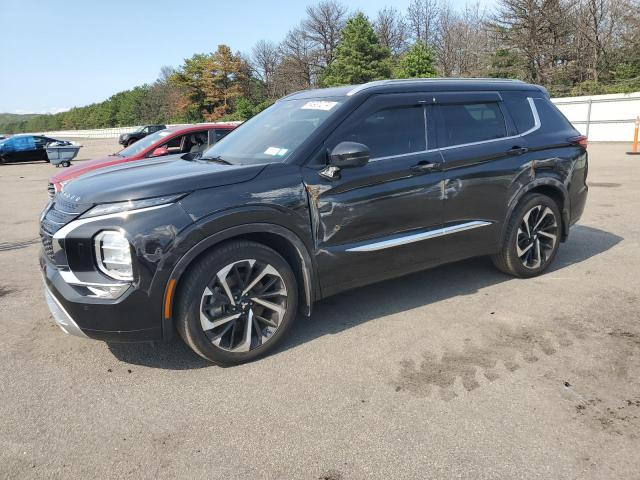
[[93, 133], [603, 118]]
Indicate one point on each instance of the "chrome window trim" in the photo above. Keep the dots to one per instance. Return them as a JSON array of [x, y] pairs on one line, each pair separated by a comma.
[[536, 125], [417, 237]]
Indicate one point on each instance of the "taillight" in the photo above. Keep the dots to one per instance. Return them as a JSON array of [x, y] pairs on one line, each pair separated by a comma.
[[580, 141]]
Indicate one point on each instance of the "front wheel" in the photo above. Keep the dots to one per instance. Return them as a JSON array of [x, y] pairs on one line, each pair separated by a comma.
[[237, 303], [130, 142], [532, 237]]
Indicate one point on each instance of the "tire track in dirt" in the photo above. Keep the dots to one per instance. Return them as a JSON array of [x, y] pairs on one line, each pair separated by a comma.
[[503, 349]]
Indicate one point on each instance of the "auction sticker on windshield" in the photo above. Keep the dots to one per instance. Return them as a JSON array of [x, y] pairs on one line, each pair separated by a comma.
[[276, 151], [318, 105]]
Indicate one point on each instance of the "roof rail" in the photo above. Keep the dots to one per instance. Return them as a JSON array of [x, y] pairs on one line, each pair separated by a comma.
[[377, 83]]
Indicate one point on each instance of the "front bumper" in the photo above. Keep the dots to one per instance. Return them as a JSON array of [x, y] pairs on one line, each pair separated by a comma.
[[61, 316], [126, 319]]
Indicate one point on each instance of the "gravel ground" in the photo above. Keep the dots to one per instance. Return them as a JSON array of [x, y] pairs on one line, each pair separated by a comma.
[[457, 372]]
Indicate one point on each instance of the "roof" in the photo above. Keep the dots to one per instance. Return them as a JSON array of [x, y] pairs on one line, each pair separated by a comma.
[[415, 85]]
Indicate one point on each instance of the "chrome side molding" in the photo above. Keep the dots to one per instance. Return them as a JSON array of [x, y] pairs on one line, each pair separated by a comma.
[[417, 237]]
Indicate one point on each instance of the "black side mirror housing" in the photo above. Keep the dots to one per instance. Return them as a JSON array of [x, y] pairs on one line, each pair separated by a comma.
[[349, 155]]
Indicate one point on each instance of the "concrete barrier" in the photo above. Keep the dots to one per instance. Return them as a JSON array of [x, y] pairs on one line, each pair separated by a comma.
[[603, 118]]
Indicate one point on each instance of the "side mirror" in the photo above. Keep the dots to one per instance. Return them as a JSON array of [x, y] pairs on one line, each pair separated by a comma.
[[160, 151], [349, 155]]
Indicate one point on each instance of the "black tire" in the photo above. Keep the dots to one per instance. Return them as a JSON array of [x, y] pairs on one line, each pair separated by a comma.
[[199, 280], [2, 160], [66, 164], [130, 142], [535, 259]]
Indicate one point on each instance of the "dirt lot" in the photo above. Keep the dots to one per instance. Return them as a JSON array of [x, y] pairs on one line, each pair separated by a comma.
[[458, 372]]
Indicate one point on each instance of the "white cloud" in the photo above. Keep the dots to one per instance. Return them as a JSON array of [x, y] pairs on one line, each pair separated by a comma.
[[41, 110]]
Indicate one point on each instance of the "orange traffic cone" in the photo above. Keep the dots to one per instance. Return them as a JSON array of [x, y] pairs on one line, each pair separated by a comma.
[[634, 145]]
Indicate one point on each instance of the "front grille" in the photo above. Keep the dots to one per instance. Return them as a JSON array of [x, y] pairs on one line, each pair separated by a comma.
[[47, 245], [51, 190], [59, 214]]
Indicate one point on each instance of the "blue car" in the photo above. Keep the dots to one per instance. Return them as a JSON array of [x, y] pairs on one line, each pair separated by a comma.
[[24, 148]]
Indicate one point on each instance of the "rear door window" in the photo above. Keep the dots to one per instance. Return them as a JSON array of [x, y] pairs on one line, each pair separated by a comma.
[[22, 144], [470, 123]]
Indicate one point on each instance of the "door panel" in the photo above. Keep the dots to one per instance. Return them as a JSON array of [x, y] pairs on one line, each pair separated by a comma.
[[478, 177], [390, 198]]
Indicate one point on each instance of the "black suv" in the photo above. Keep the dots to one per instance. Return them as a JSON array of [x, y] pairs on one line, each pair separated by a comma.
[[127, 139], [324, 191]]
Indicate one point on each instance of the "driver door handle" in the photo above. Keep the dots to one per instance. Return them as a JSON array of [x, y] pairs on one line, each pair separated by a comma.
[[425, 166], [517, 150]]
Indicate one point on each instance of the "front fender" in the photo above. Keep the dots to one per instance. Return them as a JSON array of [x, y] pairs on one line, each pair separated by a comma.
[[211, 231]]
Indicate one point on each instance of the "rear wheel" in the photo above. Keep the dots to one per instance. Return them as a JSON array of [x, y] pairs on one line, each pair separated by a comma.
[[532, 238], [237, 303]]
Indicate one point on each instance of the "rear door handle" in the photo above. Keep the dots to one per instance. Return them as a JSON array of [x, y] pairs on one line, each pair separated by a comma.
[[518, 150], [424, 166]]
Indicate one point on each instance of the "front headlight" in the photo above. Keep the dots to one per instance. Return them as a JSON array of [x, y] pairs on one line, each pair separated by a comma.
[[113, 254], [119, 207]]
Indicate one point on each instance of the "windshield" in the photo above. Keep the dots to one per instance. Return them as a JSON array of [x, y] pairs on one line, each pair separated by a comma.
[[274, 134], [144, 143]]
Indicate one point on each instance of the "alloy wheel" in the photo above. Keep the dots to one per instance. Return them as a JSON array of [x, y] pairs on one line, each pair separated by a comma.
[[243, 305], [537, 236]]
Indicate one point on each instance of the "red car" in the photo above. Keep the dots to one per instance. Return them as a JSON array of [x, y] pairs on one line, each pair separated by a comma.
[[171, 140]]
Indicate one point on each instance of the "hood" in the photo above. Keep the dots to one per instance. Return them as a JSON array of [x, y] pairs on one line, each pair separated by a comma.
[[152, 178], [87, 166]]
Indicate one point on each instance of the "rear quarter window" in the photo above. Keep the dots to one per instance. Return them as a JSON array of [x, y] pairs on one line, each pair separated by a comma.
[[551, 119]]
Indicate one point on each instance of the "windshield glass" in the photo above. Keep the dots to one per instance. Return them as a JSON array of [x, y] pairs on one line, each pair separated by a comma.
[[144, 143], [274, 134]]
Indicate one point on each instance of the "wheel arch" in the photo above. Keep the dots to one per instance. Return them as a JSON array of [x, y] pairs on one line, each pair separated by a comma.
[[549, 187], [275, 236]]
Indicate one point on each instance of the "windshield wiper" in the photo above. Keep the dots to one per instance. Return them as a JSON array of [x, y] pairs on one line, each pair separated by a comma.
[[217, 159]]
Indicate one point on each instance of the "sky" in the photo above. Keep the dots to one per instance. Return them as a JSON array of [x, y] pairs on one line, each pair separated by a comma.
[[58, 54]]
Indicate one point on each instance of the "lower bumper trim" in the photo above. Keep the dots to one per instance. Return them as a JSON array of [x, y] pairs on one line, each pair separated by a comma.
[[60, 315]]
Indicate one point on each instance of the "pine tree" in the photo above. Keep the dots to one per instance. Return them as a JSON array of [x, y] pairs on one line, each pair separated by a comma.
[[360, 57], [418, 62]]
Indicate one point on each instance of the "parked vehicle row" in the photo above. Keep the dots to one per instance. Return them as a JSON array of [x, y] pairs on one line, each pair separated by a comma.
[[24, 148], [127, 139], [192, 139], [324, 191]]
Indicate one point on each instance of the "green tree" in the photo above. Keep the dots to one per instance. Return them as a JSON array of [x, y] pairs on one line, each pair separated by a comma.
[[214, 81], [505, 64], [360, 57], [418, 62]]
